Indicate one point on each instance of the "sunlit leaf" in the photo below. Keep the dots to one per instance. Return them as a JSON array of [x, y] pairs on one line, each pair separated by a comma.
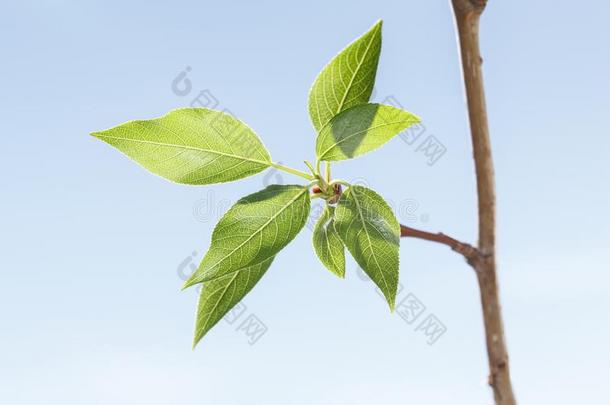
[[361, 129], [191, 146], [327, 243], [256, 228], [347, 80], [218, 296], [368, 228]]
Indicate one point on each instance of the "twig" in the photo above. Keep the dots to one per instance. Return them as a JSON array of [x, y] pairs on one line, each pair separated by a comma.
[[470, 253]]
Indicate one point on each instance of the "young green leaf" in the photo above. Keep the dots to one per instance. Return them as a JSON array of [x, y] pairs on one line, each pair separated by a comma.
[[218, 296], [256, 228], [191, 146], [327, 243], [361, 129], [368, 228], [347, 80]]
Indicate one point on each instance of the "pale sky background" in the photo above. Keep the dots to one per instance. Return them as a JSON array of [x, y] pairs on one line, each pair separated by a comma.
[[91, 243]]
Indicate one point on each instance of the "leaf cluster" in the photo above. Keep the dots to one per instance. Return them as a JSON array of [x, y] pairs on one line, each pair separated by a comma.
[[199, 146]]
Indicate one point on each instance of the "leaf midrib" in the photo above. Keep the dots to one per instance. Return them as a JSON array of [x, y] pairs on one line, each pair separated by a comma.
[[327, 234], [351, 82], [331, 251], [211, 312], [364, 225], [171, 145]]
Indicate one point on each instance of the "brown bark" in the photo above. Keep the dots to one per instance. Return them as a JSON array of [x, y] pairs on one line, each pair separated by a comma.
[[469, 252], [483, 257], [467, 15]]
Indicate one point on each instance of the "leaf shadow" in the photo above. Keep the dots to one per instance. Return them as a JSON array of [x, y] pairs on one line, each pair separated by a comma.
[[349, 132]]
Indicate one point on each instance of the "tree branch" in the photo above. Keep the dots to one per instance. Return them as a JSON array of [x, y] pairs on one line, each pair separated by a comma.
[[470, 253], [467, 14]]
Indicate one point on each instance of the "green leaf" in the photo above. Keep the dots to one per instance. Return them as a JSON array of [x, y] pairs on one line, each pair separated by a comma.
[[191, 146], [368, 228], [218, 296], [361, 129], [327, 243], [347, 80], [256, 228]]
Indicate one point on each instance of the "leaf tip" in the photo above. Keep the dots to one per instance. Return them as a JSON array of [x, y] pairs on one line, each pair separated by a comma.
[[195, 342], [337, 273], [187, 284]]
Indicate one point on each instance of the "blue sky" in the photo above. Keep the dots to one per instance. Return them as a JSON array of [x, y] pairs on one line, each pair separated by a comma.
[[92, 245]]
